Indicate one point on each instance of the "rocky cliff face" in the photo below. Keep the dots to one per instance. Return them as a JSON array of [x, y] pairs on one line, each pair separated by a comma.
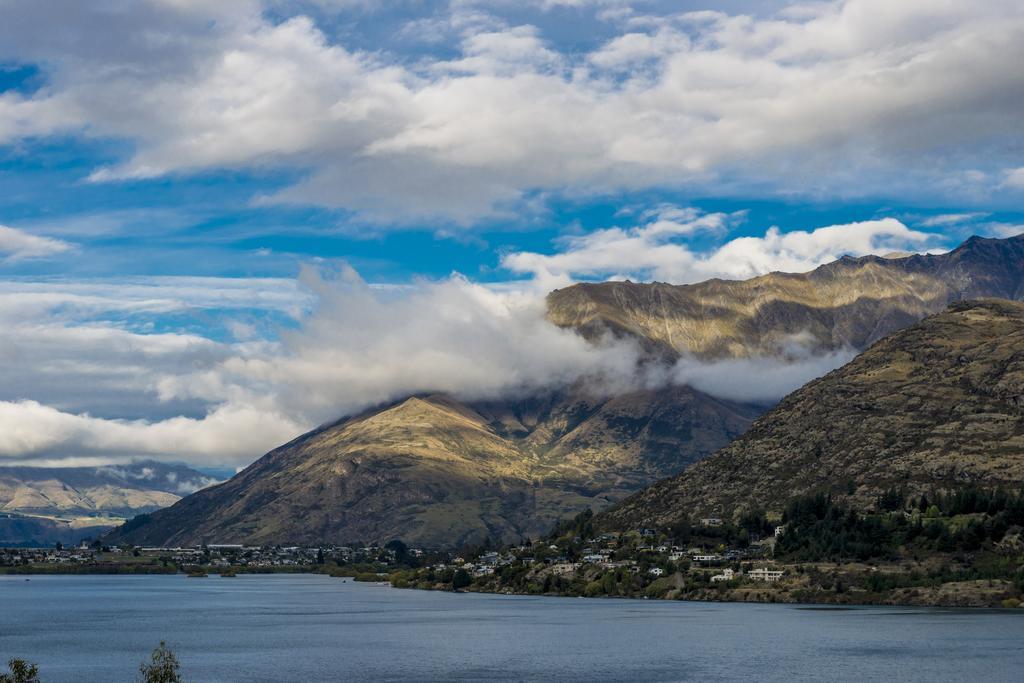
[[850, 303], [435, 472], [938, 405]]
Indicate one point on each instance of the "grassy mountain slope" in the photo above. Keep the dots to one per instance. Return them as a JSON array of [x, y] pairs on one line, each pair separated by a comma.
[[436, 472], [933, 407]]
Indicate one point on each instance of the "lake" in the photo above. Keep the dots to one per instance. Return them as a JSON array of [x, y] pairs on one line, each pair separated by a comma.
[[315, 628]]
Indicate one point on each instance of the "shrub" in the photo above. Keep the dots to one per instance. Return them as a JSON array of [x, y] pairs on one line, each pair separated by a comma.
[[20, 671], [162, 667], [659, 588]]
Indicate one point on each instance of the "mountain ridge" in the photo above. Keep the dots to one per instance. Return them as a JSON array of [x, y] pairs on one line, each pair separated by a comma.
[[850, 302]]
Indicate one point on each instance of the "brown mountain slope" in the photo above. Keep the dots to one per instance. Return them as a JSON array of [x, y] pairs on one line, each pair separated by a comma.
[[933, 406], [435, 472], [852, 302]]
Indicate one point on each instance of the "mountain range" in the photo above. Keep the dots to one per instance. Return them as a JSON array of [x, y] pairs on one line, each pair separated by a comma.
[[436, 471], [43, 505]]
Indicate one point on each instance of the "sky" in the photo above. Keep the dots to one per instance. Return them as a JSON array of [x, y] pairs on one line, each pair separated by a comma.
[[222, 224]]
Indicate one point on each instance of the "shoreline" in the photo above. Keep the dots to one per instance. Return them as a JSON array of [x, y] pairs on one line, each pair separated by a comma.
[[759, 596], [819, 599]]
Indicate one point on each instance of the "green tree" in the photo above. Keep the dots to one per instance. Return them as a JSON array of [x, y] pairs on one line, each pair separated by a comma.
[[20, 671], [162, 667], [401, 551], [461, 579]]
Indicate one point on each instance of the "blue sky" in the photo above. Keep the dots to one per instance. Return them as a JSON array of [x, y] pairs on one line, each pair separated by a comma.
[[169, 168]]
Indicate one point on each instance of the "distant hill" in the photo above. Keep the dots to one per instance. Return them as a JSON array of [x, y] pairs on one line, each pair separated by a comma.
[[436, 472], [850, 303], [42, 505], [934, 407], [127, 489]]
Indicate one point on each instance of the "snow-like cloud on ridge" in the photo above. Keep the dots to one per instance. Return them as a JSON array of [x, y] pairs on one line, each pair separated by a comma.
[[654, 250]]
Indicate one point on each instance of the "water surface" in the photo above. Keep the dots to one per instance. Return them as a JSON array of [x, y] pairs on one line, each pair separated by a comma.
[[315, 628]]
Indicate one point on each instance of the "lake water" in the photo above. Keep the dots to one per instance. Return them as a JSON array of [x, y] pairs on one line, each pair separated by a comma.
[[315, 628]]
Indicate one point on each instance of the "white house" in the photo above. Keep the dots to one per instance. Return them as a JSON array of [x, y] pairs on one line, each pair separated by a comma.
[[711, 521], [726, 575], [779, 530], [655, 571], [764, 574]]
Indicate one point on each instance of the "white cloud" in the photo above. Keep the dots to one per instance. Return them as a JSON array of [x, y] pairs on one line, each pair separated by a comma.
[[733, 379], [653, 251], [359, 346], [1014, 178], [852, 97], [17, 245], [1002, 230], [96, 346], [228, 433], [23, 300], [364, 346], [947, 219]]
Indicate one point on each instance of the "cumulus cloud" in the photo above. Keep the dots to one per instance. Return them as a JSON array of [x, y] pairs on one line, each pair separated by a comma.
[[227, 433], [654, 250], [858, 96], [359, 346], [364, 346], [1014, 178], [17, 245]]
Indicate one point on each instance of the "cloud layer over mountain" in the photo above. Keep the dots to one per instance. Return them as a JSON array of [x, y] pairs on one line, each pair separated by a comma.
[[88, 377], [658, 250]]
